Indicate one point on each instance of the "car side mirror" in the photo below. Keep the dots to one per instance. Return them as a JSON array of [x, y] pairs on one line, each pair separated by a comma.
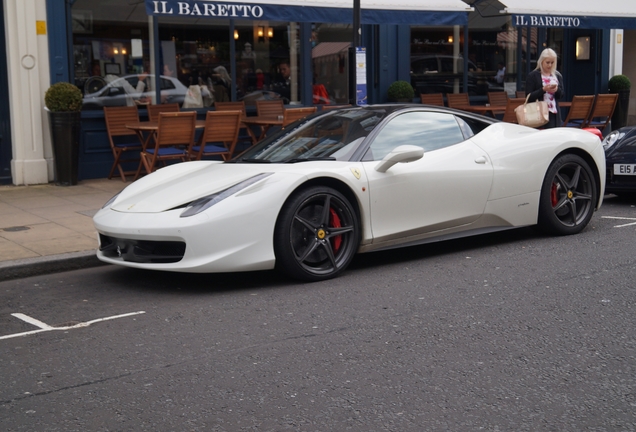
[[401, 154]]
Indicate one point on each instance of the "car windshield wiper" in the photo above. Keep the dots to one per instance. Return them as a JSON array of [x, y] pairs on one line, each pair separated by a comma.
[[311, 159]]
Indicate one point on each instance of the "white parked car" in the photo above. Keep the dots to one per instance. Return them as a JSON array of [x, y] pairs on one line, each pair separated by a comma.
[[361, 179], [122, 91]]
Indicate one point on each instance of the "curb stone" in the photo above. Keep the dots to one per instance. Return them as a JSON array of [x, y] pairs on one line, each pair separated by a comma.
[[38, 266]]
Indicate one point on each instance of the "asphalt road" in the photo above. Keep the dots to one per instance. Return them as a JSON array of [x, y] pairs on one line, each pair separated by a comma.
[[513, 331]]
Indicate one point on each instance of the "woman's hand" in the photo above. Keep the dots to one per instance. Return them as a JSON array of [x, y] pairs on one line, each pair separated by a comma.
[[552, 88]]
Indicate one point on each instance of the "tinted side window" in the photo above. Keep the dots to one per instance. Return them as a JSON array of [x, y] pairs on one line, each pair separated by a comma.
[[166, 84], [471, 126], [429, 130]]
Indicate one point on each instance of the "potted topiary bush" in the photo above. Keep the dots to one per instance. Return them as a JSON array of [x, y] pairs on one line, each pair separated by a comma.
[[400, 91], [620, 84], [64, 103]]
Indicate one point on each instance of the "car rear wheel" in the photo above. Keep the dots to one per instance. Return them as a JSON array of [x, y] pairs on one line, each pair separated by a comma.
[[316, 234], [568, 196]]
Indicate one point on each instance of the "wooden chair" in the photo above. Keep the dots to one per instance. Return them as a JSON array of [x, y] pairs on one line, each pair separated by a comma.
[[520, 94], [580, 110], [231, 106], [175, 135], [498, 98], [220, 135], [432, 99], [154, 110], [456, 100], [512, 103], [270, 107], [244, 137], [292, 114], [334, 107], [116, 120], [601, 114]]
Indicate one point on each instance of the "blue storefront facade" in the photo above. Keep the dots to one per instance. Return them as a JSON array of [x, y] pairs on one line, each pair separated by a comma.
[[240, 51]]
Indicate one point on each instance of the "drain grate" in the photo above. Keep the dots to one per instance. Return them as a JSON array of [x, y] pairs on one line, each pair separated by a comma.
[[16, 228]]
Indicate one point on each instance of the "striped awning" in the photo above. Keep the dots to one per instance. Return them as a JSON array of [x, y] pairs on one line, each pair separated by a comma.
[[324, 49]]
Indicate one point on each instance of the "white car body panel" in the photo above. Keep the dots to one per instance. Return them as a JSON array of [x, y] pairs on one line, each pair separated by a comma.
[[489, 182], [521, 155], [230, 241], [401, 197]]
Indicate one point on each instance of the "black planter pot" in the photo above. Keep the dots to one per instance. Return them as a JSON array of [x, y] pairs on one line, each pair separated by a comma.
[[65, 134], [619, 118]]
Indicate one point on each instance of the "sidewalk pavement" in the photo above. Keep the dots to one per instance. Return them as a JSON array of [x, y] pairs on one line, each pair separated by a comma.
[[49, 228]]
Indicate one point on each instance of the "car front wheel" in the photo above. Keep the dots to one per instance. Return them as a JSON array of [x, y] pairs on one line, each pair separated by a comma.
[[568, 196], [316, 234]]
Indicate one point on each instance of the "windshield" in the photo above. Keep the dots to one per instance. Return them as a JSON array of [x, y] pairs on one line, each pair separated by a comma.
[[332, 135]]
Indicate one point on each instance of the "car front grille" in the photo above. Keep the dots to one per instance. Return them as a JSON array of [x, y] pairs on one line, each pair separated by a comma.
[[142, 251]]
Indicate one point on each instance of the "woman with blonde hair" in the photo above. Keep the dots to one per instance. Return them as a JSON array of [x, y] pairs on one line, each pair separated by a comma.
[[545, 83]]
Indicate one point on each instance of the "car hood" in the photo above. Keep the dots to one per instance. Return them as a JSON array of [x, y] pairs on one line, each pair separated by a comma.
[[180, 184]]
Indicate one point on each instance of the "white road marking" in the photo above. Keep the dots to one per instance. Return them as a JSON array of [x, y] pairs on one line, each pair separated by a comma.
[[33, 321], [621, 218], [45, 327]]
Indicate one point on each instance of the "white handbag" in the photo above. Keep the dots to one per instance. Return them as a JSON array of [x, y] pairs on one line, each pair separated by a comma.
[[534, 114]]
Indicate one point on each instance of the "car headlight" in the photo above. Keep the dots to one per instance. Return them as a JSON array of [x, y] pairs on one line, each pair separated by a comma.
[[110, 201], [611, 139], [201, 204]]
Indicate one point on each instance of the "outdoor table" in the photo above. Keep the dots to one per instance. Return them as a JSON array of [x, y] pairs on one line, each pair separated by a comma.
[[151, 128], [483, 109], [263, 122]]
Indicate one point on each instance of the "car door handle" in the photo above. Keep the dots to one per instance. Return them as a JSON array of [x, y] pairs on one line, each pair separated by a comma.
[[481, 160]]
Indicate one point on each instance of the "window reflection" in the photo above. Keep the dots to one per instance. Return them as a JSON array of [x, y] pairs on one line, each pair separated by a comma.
[[330, 61], [267, 61], [113, 53], [429, 130]]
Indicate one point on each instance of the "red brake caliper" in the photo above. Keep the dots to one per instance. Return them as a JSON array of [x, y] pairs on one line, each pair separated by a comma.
[[334, 221], [553, 194]]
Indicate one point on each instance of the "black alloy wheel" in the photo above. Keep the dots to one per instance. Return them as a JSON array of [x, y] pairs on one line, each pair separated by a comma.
[[317, 234], [568, 196]]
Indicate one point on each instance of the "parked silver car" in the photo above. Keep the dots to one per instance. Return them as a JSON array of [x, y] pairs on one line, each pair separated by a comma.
[[121, 91]]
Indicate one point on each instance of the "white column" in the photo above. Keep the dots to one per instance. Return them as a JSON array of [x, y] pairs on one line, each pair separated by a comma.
[[28, 71], [616, 52]]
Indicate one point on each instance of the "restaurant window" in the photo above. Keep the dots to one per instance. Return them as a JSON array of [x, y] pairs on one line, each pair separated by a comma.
[[437, 64], [330, 62], [437, 57], [268, 61], [114, 62], [197, 54], [111, 53]]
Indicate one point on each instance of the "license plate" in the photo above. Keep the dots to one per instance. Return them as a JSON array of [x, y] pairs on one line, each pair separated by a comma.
[[625, 169]]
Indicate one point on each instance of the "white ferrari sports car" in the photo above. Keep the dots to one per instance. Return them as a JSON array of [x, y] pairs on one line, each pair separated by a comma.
[[308, 198]]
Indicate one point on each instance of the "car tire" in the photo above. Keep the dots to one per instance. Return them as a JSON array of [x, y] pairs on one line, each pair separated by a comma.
[[568, 196], [316, 235]]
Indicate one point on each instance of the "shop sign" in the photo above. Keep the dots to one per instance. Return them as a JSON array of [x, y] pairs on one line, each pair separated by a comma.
[[547, 21], [573, 22], [205, 9], [287, 10]]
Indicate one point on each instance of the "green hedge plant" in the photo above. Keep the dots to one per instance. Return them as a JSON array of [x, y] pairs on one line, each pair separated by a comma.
[[619, 83], [63, 97], [400, 90]]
